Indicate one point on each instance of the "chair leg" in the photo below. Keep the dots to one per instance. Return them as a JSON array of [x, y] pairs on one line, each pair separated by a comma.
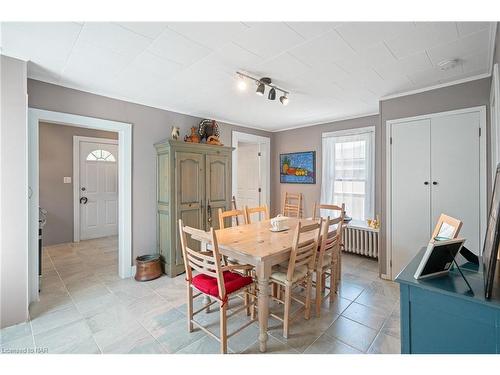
[[278, 291], [318, 295], [307, 313], [190, 307], [223, 327], [286, 317], [333, 282], [323, 282], [246, 299], [254, 302]]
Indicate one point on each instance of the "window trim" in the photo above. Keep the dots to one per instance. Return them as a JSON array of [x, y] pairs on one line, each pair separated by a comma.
[[356, 131], [347, 132]]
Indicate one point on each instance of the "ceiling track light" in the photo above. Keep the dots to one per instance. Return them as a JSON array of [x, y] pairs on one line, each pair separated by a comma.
[[261, 87]]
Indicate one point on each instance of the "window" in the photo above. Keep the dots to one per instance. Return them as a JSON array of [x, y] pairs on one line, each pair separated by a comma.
[[348, 171], [101, 155]]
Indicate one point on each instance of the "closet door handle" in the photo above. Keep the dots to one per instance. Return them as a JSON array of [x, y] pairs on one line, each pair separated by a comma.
[[426, 182], [434, 182]]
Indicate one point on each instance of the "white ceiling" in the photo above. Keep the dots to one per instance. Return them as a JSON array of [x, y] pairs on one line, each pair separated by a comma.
[[333, 70]]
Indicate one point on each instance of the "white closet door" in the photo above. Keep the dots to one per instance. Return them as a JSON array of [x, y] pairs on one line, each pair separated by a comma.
[[455, 170], [410, 187]]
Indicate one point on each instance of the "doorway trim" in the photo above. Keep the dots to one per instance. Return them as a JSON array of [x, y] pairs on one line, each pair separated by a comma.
[[388, 176], [495, 121], [76, 177], [262, 141], [124, 130]]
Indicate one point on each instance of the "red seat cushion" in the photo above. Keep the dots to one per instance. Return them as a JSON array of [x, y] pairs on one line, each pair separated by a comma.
[[232, 282]]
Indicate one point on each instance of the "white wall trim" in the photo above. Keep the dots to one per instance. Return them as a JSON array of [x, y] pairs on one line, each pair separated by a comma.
[[434, 87], [124, 130], [263, 142], [482, 175], [495, 121], [327, 122], [76, 178]]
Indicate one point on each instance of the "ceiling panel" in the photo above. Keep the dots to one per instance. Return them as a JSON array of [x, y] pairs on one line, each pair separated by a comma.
[[148, 29], [268, 39], [328, 47], [47, 44], [210, 34], [423, 36], [175, 47], [360, 35], [113, 37], [312, 29], [332, 69]]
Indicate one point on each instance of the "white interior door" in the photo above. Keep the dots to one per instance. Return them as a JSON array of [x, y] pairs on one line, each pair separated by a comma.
[[98, 189], [249, 179], [411, 189], [455, 172]]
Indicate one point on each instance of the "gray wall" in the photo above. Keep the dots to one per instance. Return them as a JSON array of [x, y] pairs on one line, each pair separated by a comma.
[[309, 139], [13, 193], [56, 162], [150, 125], [469, 94]]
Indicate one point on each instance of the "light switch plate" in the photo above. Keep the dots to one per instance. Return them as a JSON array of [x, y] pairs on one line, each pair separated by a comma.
[[67, 180]]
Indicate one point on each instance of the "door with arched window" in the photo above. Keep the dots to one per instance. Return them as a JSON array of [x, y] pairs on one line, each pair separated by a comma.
[[98, 180]]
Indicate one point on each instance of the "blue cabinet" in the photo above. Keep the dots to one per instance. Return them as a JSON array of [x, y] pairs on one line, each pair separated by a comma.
[[441, 315]]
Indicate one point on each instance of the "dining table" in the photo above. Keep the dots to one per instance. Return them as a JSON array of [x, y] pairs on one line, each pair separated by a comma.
[[255, 244]]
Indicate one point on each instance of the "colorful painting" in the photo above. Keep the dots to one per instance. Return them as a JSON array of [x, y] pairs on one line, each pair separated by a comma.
[[298, 168]]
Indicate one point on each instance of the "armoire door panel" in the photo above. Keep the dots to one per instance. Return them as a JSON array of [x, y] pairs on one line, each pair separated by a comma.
[[190, 180], [410, 189], [218, 187], [163, 177], [455, 151]]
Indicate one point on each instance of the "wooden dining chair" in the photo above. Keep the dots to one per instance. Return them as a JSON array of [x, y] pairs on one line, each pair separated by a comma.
[[234, 215], [330, 207], [214, 280], [253, 210], [292, 205], [335, 211], [327, 260], [299, 270]]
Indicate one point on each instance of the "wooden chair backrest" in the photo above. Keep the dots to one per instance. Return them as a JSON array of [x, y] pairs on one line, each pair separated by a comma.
[[292, 205], [445, 219], [331, 207], [253, 210], [330, 238], [205, 262], [232, 214], [304, 251]]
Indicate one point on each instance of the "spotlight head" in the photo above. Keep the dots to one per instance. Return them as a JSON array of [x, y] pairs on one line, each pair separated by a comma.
[[260, 89], [242, 84], [272, 94], [284, 99]]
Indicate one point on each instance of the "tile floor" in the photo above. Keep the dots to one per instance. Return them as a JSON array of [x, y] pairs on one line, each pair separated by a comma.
[[85, 307]]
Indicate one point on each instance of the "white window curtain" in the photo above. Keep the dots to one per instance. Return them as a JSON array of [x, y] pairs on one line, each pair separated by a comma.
[[348, 171]]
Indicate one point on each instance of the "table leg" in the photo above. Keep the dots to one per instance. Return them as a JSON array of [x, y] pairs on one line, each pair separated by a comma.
[[263, 273]]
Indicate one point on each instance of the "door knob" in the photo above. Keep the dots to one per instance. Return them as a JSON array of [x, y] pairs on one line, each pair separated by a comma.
[[84, 200], [434, 182], [426, 182]]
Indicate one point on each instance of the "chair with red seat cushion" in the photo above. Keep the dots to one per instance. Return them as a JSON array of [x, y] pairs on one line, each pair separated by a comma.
[[214, 279], [232, 283]]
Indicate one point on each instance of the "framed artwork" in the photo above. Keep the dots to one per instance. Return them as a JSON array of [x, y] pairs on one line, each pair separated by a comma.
[[298, 168]]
